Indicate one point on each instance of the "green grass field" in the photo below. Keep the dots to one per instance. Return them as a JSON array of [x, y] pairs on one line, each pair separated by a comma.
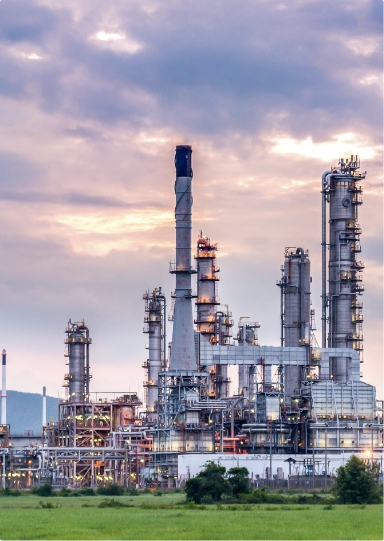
[[23, 518]]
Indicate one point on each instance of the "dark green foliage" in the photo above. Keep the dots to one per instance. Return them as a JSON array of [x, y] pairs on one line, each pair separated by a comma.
[[111, 490], [263, 496], [113, 503], [209, 483], [158, 493], [133, 492], [356, 483], [10, 492], [44, 490], [48, 505], [238, 479], [86, 491]]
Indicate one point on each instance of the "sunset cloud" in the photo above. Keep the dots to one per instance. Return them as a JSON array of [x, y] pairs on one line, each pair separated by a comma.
[[94, 97]]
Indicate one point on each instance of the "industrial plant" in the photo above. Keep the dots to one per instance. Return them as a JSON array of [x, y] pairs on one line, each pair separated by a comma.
[[300, 408]]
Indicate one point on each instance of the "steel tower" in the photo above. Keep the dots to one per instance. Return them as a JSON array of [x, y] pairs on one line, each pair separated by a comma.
[[341, 190]]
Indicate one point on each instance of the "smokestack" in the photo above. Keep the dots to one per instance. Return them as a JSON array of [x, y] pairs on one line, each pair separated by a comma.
[[44, 406], [183, 356], [4, 388]]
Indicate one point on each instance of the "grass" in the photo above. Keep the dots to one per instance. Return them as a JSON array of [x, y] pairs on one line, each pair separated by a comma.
[[146, 517]]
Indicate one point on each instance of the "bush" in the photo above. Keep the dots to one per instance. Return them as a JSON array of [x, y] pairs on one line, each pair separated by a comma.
[[48, 505], [238, 479], [113, 503], [133, 492], [356, 483], [86, 491], [9, 492], [209, 482], [43, 490], [111, 490]]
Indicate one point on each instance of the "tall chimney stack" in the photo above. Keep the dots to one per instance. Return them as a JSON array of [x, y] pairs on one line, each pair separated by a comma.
[[4, 388], [183, 356]]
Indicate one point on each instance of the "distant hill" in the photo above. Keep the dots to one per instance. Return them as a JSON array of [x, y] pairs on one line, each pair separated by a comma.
[[25, 411]]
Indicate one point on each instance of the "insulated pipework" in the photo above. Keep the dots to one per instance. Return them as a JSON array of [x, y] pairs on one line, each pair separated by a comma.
[[183, 355]]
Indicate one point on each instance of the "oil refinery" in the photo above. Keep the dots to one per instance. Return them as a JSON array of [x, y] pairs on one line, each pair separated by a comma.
[[300, 408]]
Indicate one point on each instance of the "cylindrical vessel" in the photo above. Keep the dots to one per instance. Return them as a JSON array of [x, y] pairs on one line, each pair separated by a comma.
[[183, 356], [297, 301], [344, 279], [154, 320], [207, 278], [76, 367], [78, 342]]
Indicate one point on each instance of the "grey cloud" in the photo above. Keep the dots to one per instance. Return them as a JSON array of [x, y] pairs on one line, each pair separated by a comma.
[[212, 68], [17, 171], [78, 199]]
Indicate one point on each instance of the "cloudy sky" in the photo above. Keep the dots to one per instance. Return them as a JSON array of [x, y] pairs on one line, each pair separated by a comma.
[[94, 96]]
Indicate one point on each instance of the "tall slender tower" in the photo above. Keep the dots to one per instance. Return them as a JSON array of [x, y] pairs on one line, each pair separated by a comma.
[[295, 287], [183, 355], [4, 388], [154, 325], [341, 189]]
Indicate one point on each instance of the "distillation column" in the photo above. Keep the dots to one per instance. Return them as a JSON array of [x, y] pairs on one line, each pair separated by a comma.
[[247, 335], [208, 318], [207, 278], [295, 286], [183, 356], [77, 380], [154, 325], [342, 190]]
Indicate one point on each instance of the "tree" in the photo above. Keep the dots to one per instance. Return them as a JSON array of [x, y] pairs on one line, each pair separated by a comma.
[[238, 479], [209, 483], [356, 482]]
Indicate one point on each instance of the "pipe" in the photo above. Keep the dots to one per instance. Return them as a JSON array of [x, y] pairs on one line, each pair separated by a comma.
[[44, 406], [324, 184], [4, 388]]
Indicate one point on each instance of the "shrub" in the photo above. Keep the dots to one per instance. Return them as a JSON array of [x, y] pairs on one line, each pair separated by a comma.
[[9, 492], [111, 490], [87, 491], [133, 492], [356, 483], [209, 482], [48, 505], [113, 503], [44, 490], [238, 479]]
